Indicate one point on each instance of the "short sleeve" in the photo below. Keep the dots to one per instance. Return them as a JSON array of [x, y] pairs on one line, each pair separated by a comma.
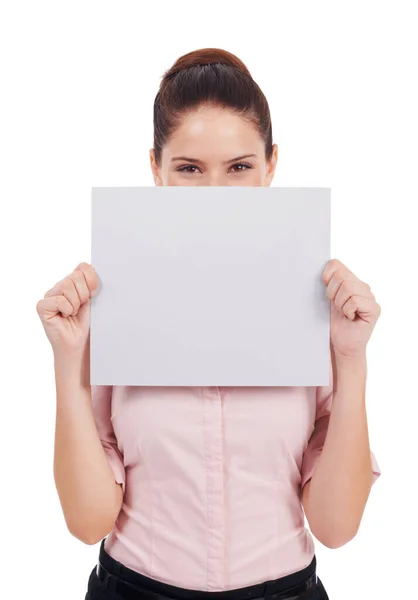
[[101, 396], [324, 395]]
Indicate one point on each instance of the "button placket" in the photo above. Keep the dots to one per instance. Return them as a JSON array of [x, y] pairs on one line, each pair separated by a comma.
[[212, 407]]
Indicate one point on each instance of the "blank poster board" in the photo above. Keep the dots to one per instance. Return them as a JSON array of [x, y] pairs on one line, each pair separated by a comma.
[[210, 286]]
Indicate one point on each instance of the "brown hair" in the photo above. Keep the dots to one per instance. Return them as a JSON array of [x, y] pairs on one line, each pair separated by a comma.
[[209, 76]]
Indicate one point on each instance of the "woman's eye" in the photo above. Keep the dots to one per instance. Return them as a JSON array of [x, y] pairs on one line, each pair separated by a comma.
[[245, 165], [186, 167]]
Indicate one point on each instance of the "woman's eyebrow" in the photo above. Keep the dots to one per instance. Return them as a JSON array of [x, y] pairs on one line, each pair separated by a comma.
[[196, 160]]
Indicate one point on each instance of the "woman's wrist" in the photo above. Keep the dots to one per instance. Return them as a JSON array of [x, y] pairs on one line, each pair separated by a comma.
[[72, 369]]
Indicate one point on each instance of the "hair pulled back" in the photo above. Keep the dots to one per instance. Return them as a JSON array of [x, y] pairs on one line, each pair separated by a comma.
[[210, 76]]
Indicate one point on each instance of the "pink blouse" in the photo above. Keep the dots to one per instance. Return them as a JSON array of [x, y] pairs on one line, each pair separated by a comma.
[[212, 479]]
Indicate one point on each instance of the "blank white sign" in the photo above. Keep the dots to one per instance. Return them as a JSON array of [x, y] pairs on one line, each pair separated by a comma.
[[210, 286]]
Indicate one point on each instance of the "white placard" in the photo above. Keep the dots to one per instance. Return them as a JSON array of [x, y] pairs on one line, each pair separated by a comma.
[[210, 286]]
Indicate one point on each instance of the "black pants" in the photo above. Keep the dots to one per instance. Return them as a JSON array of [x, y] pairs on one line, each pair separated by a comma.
[[109, 590]]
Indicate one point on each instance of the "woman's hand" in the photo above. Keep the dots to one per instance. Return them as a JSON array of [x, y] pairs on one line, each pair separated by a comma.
[[65, 311], [354, 310]]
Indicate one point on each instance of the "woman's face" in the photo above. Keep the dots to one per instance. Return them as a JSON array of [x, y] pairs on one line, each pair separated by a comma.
[[213, 146]]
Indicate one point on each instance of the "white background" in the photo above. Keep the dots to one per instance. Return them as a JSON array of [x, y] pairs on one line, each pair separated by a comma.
[[78, 81]]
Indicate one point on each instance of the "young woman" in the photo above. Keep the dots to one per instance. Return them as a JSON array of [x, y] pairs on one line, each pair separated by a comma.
[[200, 493]]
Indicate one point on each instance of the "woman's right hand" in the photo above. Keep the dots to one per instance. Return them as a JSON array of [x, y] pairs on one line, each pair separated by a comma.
[[65, 311]]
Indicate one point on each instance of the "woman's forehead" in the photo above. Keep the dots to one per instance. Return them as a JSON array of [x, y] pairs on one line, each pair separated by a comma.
[[214, 119], [220, 135]]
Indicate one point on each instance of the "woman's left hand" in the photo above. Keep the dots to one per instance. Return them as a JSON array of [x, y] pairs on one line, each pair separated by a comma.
[[354, 310]]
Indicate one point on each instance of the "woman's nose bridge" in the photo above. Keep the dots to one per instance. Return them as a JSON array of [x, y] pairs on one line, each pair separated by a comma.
[[216, 179]]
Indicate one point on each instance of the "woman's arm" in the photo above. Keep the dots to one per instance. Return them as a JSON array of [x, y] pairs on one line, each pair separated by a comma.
[[335, 497], [89, 496]]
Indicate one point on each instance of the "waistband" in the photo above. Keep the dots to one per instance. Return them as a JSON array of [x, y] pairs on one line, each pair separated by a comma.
[[258, 590]]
